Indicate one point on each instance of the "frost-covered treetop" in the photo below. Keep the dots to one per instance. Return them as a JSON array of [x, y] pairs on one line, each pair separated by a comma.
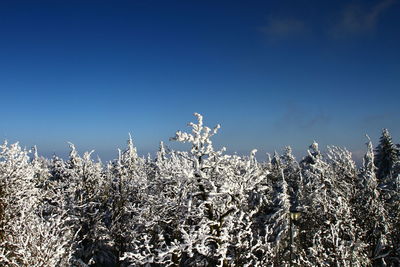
[[200, 137], [368, 160], [314, 148], [386, 134]]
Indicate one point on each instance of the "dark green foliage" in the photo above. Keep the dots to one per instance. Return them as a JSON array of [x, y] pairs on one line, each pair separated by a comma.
[[386, 155]]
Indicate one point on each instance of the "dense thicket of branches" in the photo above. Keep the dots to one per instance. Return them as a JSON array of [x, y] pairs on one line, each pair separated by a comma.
[[201, 207]]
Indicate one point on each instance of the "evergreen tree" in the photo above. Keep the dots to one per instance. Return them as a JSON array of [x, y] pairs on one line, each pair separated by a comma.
[[124, 187], [292, 172], [84, 182], [28, 235], [369, 211], [279, 221], [386, 155], [328, 233]]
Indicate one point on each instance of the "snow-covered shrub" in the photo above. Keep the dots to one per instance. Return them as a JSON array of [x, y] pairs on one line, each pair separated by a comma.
[[29, 236]]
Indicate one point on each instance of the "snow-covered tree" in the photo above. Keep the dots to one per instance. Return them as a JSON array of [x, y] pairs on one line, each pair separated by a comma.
[[293, 176], [212, 205], [129, 201], [328, 233], [386, 155], [28, 236], [280, 222], [369, 211], [84, 182]]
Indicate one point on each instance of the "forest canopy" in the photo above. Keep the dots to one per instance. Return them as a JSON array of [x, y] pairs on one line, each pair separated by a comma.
[[201, 207]]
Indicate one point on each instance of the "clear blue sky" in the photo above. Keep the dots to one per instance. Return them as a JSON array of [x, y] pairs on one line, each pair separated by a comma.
[[272, 73]]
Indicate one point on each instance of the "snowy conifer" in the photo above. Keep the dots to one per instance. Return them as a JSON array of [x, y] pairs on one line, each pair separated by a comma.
[[386, 155], [29, 237]]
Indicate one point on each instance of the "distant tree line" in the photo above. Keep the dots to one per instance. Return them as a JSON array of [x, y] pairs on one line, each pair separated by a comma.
[[201, 207]]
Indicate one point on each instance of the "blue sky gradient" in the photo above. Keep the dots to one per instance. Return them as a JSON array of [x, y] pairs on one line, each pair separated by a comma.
[[272, 73]]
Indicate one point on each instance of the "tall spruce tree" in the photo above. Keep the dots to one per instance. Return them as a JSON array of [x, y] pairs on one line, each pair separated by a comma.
[[386, 154], [370, 213]]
